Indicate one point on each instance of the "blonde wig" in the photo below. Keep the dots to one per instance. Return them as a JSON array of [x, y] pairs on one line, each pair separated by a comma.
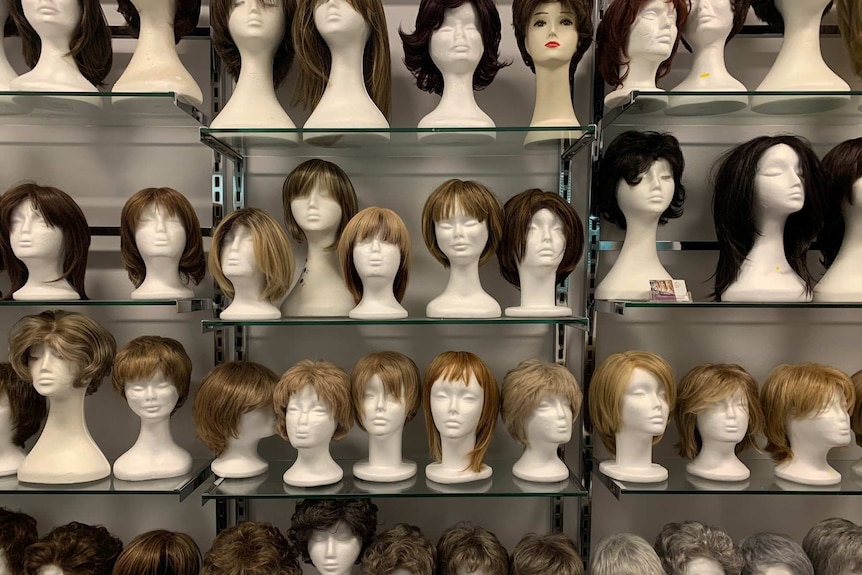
[[856, 417], [795, 391], [850, 23], [524, 388], [397, 372], [159, 552], [147, 355], [251, 548], [368, 224], [272, 252], [704, 386], [543, 554], [315, 60], [466, 548], [27, 408], [475, 200], [72, 336], [227, 392], [459, 366], [403, 547], [609, 384], [330, 383], [329, 177]]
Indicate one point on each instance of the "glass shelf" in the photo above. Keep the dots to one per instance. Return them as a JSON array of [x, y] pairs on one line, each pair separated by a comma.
[[761, 482], [574, 321], [619, 307], [501, 484], [182, 305]]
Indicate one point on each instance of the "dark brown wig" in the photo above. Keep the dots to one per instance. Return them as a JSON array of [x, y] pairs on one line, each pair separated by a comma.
[[522, 12], [316, 172], [768, 12], [417, 53], [76, 549], [28, 407], [159, 552], [740, 13], [842, 167], [401, 547], [324, 514], [251, 548], [465, 548], [734, 202], [628, 157], [186, 16], [17, 532]]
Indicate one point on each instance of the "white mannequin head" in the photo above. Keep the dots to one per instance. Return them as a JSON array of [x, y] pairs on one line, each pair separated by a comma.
[[383, 413], [153, 398], [827, 428], [159, 234], [551, 37], [456, 408], [52, 375], [551, 421], [376, 260], [462, 238], [57, 20], [256, 26], [546, 241], [7, 429], [237, 255], [334, 552], [725, 421], [49, 570], [650, 198], [31, 237], [456, 46], [317, 211], [704, 566], [709, 22], [654, 32], [255, 425], [339, 24], [778, 183], [644, 405], [309, 421]]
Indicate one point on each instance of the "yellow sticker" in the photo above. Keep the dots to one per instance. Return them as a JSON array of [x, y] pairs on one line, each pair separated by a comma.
[[705, 75]]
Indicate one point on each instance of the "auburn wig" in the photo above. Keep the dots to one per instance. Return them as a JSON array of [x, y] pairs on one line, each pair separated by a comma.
[[147, 355], [328, 177], [768, 12], [850, 24], [582, 11], [28, 408], [678, 544], [251, 548], [17, 532], [400, 547], [159, 552], [397, 372], [842, 167], [466, 548], [75, 549], [543, 554], [311, 515], [330, 383], [186, 16]]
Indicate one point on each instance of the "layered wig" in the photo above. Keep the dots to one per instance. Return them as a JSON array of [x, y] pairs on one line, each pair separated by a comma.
[[609, 384], [475, 200], [703, 387], [398, 374], [612, 38], [251, 548], [76, 549], [417, 46], [159, 552], [400, 547], [368, 224], [147, 355], [628, 158], [764, 550], [834, 546], [680, 543], [28, 408], [17, 532], [59, 211], [582, 11], [193, 265], [466, 548], [625, 554], [768, 12], [311, 515], [795, 391], [327, 176], [186, 16], [850, 24], [72, 336], [842, 167], [227, 392], [527, 385], [856, 416], [542, 554], [734, 208], [518, 214], [460, 366], [315, 60], [330, 383]]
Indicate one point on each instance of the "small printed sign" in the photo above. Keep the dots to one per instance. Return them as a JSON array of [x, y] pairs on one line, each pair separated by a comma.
[[669, 291]]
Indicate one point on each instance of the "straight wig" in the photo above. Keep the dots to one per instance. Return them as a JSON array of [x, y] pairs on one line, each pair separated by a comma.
[[400, 547], [678, 544], [75, 549], [147, 355], [850, 24], [186, 16], [625, 554], [159, 552], [17, 532], [543, 554], [467, 548], [327, 177], [28, 409], [398, 374], [251, 548], [582, 11], [330, 383], [842, 168], [764, 550], [311, 515]]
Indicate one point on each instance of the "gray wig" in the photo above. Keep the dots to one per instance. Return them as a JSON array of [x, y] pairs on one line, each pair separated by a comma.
[[625, 554], [834, 546], [764, 550], [679, 544]]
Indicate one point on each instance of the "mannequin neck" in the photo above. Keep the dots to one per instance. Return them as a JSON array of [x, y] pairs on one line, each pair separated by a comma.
[[157, 29], [65, 417], [553, 99], [851, 246], [709, 60], [255, 77], [455, 453], [715, 454], [247, 290], [319, 242], [56, 48], [241, 448], [162, 272], [538, 286], [769, 242], [807, 453], [322, 262], [378, 292], [641, 73], [639, 244], [43, 271], [385, 450], [315, 460], [11, 457], [464, 278], [802, 33], [155, 436], [538, 455], [634, 449], [458, 93], [346, 74]]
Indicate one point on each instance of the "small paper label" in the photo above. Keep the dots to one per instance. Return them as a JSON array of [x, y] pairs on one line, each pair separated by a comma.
[[669, 291]]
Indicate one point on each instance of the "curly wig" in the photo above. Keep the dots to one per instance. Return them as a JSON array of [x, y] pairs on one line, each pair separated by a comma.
[[522, 12], [834, 546], [330, 177], [29, 409], [187, 14], [76, 549], [543, 554], [764, 550], [147, 355], [466, 548], [768, 12], [17, 532], [401, 547], [251, 548], [842, 167], [159, 552], [311, 515], [680, 543]]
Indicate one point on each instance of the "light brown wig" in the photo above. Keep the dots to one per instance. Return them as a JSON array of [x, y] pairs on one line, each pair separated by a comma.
[[795, 391], [159, 552], [17, 532], [475, 200], [459, 366], [466, 548], [526, 385], [543, 554], [316, 172], [330, 383], [251, 548], [609, 384], [400, 547], [146, 355], [227, 392], [27, 406], [76, 549], [186, 16], [73, 336], [856, 417], [397, 372], [850, 24]]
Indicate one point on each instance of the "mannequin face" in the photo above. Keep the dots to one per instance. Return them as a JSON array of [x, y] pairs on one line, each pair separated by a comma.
[[160, 234], [461, 238], [257, 424], [339, 23], [333, 552], [654, 31], [456, 46], [778, 181], [776, 570], [52, 18], [256, 25], [6, 430], [374, 258], [31, 237], [52, 375], [153, 398], [644, 407], [830, 427], [49, 570], [308, 420], [703, 566], [546, 241], [318, 211], [456, 408], [382, 413], [400, 571], [725, 421], [708, 21], [551, 422], [237, 254], [551, 35], [649, 198]]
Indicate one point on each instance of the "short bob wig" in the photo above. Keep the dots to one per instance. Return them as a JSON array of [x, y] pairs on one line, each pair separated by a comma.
[[842, 167], [734, 208], [460, 366], [417, 52], [401, 547], [59, 210], [466, 548], [227, 392], [475, 200], [518, 214], [193, 265], [72, 336], [28, 408], [330, 383], [251, 548], [850, 24], [147, 355], [609, 385], [582, 10], [311, 515], [397, 372], [856, 416], [625, 554], [187, 14], [704, 386], [76, 549], [834, 546], [543, 554], [678, 544], [159, 552], [329, 177], [768, 12], [628, 158], [794, 391], [17, 532], [764, 550], [524, 388]]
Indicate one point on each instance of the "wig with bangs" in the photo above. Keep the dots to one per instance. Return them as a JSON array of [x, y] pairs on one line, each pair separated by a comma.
[[75, 549], [856, 416], [329, 178], [360, 515], [147, 355], [842, 168], [329, 382], [227, 392], [625, 554], [850, 24], [768, 12], [186, 16], [796, 391], [834, 546], [609, 384], [475, 200], [401, 547], [466, 548], [764, 550], [582, 11], [460, 366], [159, 552], [17, 532], [397, 372], [28, 408], [251, 548], [543, 554], [678, 544]]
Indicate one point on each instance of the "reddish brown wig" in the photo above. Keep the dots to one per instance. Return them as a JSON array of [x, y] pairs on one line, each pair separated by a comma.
[[186, 16], [76, 549], [28, 407], [17, 532]]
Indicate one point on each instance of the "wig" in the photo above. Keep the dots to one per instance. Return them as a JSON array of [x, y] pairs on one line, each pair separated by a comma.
[[856, 416], [543, 554], [311, 515], [193, 265], [834, 546], [187, 14], [475, 200], [59, 210], [460, 366], [517, 217], [272, 251], [703, 387], [17, 532], [315, 59], [417, 46], [330, 383], [160, 552], [625, 554], [147, 355], [764, 550], [842, 167], [388, 227], [466, 548], [734, 208], [28, 408], [251, 548], [397, 372], [850, 24], [76, 549], [680, 543], [72, 336], [768, 12], [740, 13], [227, 392], [609, 384], [524, 388], [795, 391], [522, 12], [612, 38], [401, 547], [628, 158], [329, 177]]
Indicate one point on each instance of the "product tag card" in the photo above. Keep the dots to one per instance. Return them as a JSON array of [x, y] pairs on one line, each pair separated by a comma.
[[669, 291]]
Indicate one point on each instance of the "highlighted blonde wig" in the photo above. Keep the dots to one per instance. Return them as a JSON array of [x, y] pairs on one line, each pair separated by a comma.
[[144, 356], [397, 372], [330, 383]]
